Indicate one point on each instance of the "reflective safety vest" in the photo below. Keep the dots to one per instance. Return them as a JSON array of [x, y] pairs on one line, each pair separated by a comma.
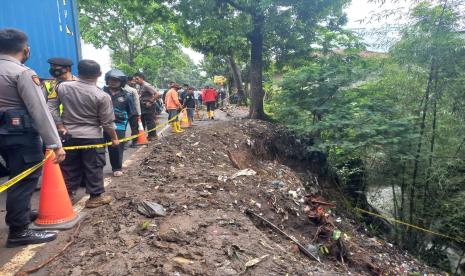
[[50, 87]]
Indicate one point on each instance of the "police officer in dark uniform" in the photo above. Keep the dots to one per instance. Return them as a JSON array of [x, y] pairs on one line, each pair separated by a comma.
[[148, 97], [60, 70], [24, 120]]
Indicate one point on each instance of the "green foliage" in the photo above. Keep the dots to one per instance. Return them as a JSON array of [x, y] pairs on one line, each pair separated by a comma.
[[399, 116], [141, 38]]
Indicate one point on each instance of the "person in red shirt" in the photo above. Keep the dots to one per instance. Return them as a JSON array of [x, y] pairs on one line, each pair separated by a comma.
[[209, 99]]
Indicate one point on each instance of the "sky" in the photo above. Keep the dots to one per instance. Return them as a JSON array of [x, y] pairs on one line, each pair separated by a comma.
[[356, 11]]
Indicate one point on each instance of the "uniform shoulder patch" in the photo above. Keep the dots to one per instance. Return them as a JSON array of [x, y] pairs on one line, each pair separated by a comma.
[[36, 79]]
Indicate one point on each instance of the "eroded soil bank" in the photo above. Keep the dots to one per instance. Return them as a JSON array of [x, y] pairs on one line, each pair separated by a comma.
[[205, 230]]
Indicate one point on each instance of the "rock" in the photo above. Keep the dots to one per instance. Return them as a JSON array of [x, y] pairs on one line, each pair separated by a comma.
[[277, 184], [151, 209], [181, 260]]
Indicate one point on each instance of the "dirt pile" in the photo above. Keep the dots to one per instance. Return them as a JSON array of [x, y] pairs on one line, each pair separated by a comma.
[[205, 179]]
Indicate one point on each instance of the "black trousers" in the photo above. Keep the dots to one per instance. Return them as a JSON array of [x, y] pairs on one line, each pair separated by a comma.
[[148, 121], [21, 152], [134, 124], [211, 106], [116, 153], [84, 165]]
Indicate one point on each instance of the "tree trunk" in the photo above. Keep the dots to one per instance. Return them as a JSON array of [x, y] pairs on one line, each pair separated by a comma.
[[256, 69], [237, 79], [431, 152], [419, 146], [402, 206]]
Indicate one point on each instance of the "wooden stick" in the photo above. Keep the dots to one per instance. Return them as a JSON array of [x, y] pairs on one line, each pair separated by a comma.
[[276, 228], [49, 260]]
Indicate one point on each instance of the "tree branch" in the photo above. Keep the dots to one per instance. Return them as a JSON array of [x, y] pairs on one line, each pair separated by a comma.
[[237, 6]]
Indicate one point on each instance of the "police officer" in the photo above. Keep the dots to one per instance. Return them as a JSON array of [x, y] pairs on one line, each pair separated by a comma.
[[148, 97], [87, 110], [60, 70], [134, 119], [123, 107], [24, 119]]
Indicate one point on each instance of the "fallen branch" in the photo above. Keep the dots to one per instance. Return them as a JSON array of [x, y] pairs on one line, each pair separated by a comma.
[[49, 260], [233, 160], [276, 228]]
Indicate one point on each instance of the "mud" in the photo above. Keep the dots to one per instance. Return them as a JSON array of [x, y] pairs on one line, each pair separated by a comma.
[[205, 231]]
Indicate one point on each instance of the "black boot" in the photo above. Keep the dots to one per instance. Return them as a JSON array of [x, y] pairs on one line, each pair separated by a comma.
[[33, 215], [28, 236]]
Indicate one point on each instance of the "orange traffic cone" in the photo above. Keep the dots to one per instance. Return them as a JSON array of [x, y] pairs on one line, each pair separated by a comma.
[[142, 138], [55, 208], [184, 119]]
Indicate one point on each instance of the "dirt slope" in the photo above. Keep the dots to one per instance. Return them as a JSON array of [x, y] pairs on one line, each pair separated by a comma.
[[205, 230]]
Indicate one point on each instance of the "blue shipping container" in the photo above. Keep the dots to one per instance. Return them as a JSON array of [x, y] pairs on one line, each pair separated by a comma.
[[52, 28]]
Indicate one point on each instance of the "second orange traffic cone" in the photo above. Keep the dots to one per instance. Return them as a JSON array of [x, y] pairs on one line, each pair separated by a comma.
[[55, 208], [184, 119], [142, 138], [197, 115]]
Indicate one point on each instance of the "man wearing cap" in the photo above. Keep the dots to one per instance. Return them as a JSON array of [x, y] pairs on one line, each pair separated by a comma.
[[87, 112], [148, 97], [60, 70], [24, 120]]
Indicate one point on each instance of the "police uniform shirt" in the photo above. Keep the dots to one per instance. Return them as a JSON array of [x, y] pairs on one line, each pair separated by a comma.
[[189, 100], [20, 89], [86, 109], [147, 93], [50, 85]]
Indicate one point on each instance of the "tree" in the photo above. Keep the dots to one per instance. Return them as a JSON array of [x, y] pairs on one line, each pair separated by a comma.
[[216, 37], [398, 117], [112, 23], [138, 45], [285, 28]]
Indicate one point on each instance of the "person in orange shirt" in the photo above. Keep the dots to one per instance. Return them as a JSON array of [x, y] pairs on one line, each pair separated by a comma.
[[173, 106]]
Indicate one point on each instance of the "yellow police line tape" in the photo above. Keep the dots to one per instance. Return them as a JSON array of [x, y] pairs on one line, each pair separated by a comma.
[[124, 139], [410, 225], [24, 174], [32, 169]]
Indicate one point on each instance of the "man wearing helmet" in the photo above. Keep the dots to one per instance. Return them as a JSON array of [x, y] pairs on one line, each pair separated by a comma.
[[123, 107]]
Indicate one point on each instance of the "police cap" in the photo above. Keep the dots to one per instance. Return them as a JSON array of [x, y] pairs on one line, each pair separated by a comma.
[[60, 61]]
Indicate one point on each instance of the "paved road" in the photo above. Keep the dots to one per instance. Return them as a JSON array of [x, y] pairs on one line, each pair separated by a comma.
[[7, 253]]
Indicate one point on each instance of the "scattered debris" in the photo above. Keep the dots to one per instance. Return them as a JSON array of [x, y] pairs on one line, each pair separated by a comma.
[[277, 184], [255, 261], [181, 260], [245, 172], [205, 231], [151, 209], [275, 228]]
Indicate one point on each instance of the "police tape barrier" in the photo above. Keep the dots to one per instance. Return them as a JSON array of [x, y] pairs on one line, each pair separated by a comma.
[[410, 225], [29, 171], [24, 174]]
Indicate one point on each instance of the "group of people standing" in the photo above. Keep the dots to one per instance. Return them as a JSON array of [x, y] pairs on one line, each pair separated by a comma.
[[73, 112], [66, 111]]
